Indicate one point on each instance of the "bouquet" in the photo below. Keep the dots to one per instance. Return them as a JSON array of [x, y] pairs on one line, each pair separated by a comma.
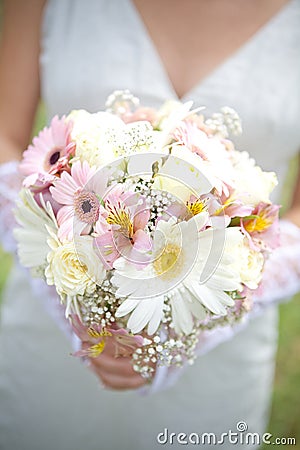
[[150, 225]]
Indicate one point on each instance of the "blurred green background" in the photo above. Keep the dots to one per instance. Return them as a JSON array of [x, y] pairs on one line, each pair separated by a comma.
[[285, 413]]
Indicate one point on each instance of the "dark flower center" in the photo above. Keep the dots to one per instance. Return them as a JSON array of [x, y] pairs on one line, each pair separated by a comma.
[[54, 158], [86, 206]]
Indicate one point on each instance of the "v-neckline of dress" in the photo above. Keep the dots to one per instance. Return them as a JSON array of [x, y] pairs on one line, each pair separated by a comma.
[[219, 67]]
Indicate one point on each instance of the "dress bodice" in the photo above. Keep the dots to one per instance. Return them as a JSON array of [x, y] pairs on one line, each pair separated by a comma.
[[89, 49]]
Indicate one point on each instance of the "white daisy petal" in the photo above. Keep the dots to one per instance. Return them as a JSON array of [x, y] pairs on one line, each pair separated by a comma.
[[208, 298], [141, 315], [33, 232], [181, 315], [126, 307], [197, 310], [157, 315]]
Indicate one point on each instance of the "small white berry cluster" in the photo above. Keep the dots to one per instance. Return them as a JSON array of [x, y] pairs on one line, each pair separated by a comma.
[[121, 101], [226, 122]]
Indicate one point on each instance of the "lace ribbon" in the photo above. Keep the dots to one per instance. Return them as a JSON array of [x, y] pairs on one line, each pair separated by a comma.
[[10, 185], [281, 278]]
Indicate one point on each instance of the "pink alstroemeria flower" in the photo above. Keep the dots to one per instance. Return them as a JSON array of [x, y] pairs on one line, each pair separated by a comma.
[[264, 227], [124, 342], [185, 211], [229, 205], [49, 153], [79, 192], [127, 216]]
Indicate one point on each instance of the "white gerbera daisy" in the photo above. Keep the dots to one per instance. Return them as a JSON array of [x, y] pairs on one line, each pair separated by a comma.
[[33, 234], [214, 273], [187, 267]]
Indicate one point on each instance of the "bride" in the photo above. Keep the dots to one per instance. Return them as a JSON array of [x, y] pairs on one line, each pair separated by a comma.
[[73, 54]]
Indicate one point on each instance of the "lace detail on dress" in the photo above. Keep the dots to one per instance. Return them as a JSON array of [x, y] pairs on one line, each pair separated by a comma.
[[10, 185]]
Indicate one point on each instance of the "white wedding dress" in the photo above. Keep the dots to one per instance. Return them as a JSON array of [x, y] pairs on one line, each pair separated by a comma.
[[48, 399]]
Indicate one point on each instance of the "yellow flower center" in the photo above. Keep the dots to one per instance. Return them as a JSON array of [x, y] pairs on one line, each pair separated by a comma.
[[196, 207], [167, 265], [226, 204], [121, 218], [258, 224], [96, 349]]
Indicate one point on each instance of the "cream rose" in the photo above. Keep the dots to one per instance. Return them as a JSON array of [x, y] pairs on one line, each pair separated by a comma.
[[165, 111], [101, 138], [93, 134], [252, 184], [73, 267], [250, 264]]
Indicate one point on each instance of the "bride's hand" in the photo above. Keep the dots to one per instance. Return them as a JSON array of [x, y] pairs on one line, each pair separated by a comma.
[[115, 373]]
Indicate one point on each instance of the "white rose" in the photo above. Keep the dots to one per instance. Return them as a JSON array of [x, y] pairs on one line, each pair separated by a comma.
[[252, 184], [73, 267], [94, 136], [101, 138], [166, 110], [249, 264]]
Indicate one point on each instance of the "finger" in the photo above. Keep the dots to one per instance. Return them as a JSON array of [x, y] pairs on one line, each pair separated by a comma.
[[118, 382], [112, 365]]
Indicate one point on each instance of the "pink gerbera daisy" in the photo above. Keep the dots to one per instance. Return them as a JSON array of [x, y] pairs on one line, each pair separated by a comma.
[[79, 192], [49, 152]]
